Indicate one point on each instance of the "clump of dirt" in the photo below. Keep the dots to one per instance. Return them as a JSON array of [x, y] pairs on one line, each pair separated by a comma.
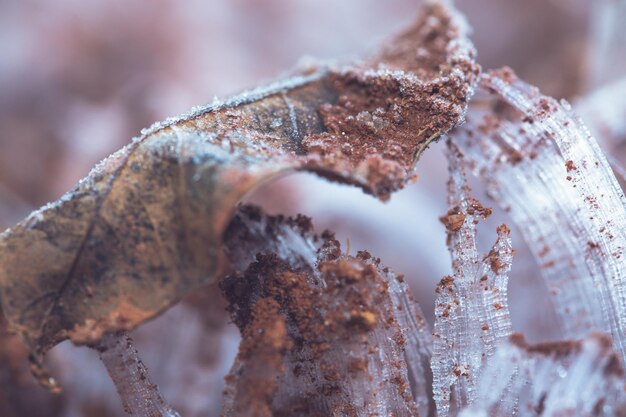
[[331, 321]]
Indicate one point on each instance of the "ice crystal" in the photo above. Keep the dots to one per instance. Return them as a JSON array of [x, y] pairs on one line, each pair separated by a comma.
[[548, 171], [579, 378], [471, 309]]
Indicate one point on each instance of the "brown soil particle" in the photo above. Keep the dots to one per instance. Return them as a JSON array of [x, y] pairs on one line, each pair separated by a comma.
[[569, 165], [453, 220], [476, 208], [495, 262], [364, 321], [260, 359]]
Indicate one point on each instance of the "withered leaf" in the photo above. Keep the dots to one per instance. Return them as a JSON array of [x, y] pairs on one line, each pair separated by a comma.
[[144, 228]]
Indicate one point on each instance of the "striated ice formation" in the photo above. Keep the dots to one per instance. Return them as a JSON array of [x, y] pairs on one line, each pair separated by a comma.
[[471, 309], [140, 397], [340, 335], [571, 378], [417, 340], [548, 171]]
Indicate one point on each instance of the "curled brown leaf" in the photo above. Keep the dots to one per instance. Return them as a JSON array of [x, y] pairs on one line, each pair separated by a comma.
[[144, 228]]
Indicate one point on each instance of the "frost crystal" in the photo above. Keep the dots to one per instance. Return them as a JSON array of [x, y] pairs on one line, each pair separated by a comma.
[[571, 378], [471, 310], [140, 397], [549, 172]]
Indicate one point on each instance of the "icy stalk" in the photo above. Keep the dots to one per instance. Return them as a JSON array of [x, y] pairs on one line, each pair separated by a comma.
[[570, 378], [323, 333], [471, 309], [548, 171], [140, 397]]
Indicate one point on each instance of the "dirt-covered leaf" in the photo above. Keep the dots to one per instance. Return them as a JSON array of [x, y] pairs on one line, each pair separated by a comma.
[[144, 228]]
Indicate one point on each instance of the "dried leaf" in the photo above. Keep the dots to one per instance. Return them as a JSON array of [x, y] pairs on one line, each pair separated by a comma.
[[144, 228]]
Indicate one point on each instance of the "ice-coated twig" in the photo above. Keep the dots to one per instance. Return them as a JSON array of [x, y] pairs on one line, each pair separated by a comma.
[[140, 397], [551, 175], [471, 308], [570, 378]]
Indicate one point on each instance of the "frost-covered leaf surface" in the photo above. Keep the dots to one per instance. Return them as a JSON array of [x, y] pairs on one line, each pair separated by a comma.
[[144, 228], [471, 306], [324, 333], [544, 167]]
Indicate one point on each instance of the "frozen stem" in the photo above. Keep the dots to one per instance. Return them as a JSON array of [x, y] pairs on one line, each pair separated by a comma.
[[140, 397], [471, 308]]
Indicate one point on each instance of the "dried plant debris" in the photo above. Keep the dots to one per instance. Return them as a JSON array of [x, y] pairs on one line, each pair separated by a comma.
[[140, 397], [324, 333], [545, 169], [144, 227], [572, 378], [471, 307]]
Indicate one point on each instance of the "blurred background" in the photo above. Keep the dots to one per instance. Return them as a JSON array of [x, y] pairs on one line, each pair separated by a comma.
[[79, 79]]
